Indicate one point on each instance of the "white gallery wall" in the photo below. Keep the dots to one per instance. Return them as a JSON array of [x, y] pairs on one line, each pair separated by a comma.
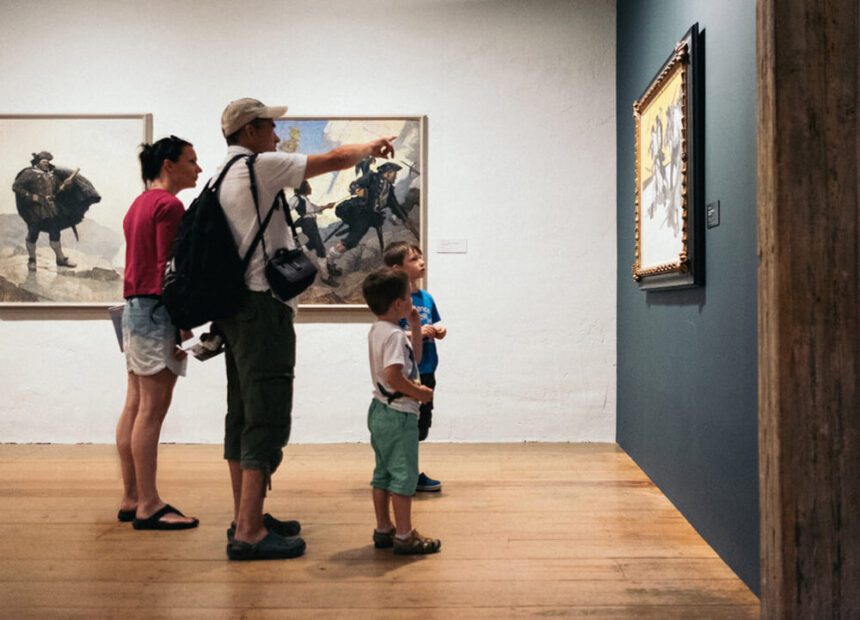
[[520, 100]]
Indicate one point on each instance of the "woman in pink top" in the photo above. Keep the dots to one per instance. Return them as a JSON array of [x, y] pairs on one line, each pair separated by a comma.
[[150, 340]]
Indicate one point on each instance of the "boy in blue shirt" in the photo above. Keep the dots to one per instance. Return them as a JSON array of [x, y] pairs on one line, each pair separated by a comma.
[[408, 258], [393, 415]]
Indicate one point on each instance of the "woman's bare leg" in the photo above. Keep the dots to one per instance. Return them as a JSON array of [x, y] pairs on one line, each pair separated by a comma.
[[156, 392], [123, 443]]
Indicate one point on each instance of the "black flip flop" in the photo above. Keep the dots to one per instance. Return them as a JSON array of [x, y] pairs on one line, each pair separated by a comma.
[[154, 522], [126, 516]]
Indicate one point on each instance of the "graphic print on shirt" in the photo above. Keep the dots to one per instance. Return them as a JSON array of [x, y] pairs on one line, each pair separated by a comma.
[[423, 313], [413, 367], [412, 375]]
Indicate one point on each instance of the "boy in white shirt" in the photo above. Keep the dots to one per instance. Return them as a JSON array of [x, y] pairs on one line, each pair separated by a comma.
[[393, 415]]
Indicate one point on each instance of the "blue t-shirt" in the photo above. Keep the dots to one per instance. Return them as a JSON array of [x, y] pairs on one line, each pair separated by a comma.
[[423, 302]]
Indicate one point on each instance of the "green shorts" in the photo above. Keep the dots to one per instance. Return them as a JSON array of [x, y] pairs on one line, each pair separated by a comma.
[[394, 437], [260, 354]]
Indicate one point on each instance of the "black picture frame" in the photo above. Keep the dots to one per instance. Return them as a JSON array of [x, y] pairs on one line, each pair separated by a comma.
[[669, 214]]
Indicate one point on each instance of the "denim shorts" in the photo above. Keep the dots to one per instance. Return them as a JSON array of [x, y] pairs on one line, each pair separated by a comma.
[[394, 437], [149, 338]]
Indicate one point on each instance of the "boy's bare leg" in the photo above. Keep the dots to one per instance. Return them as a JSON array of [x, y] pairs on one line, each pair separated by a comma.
[[381, 501], [402, 513], [249, 516]]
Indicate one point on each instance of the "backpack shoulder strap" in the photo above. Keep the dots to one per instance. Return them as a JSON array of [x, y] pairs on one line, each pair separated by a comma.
[[216, 184]]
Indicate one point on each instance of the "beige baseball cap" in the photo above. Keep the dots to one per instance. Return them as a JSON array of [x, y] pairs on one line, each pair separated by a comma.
[[239, 113]]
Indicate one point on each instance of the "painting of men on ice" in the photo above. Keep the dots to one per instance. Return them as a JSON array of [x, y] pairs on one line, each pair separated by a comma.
[[347, 218], [65, 185]]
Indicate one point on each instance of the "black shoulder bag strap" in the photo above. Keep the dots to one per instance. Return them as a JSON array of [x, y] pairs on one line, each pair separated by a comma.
[[280, 200], [283, 200], [261, 224]]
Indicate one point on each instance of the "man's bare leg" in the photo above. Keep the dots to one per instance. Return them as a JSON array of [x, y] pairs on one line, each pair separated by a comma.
[[236, 484], [249, 516]]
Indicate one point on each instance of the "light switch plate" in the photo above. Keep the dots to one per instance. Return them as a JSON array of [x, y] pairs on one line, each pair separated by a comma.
[[452, 246], [713, 212]]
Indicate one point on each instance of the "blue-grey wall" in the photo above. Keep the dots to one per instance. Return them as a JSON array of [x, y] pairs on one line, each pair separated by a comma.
[[687, 360]]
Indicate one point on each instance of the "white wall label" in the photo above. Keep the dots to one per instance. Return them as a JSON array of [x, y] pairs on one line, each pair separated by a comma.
[[452, 246]]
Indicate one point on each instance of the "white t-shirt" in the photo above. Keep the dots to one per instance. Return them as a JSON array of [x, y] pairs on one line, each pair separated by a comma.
[[274, 172], [388, 345]]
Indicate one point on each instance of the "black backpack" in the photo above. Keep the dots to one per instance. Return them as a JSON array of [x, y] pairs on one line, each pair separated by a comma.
[[205, 277]]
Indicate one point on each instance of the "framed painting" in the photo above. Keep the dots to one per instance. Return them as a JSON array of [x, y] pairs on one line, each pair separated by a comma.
[[347, 218], [68, 181], [668, 127]]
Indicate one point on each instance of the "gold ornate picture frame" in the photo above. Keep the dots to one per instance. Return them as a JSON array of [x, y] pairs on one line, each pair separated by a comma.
[[668, 141]]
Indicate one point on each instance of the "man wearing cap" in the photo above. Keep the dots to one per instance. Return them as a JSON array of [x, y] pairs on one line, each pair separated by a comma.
[[260, 339]]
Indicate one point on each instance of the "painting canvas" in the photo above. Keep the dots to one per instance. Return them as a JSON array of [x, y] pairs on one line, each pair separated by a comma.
[[346, 218], [65, 185], [667, 218]]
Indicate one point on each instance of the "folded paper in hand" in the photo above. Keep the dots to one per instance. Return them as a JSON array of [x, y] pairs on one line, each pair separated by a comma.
[[116, 318], [208, 345]]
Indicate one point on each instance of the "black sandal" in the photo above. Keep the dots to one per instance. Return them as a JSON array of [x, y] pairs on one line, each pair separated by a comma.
[[154, 522], [287, 529], [272, 547], [126, 516]]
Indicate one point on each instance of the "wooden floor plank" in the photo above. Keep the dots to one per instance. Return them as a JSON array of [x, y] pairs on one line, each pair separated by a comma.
[[379, 593], [527, 529], [441, 569], [663, 612]]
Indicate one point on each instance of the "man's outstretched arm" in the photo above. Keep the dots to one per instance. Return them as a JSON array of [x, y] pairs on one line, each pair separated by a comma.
[[347, 156]]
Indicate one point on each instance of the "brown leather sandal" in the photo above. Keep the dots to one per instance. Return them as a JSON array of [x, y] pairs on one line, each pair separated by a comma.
[[383, 540], [416, 544]]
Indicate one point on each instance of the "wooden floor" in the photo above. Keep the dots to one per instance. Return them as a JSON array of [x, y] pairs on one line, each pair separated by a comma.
[[528, 530]]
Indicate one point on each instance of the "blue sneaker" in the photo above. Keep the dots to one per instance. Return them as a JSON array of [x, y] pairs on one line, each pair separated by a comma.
[[427, 484]]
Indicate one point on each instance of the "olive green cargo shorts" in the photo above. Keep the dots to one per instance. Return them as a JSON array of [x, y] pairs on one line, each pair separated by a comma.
[[260, 356]]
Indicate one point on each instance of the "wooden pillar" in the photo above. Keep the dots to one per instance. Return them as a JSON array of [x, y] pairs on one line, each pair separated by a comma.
[[809, 307]]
